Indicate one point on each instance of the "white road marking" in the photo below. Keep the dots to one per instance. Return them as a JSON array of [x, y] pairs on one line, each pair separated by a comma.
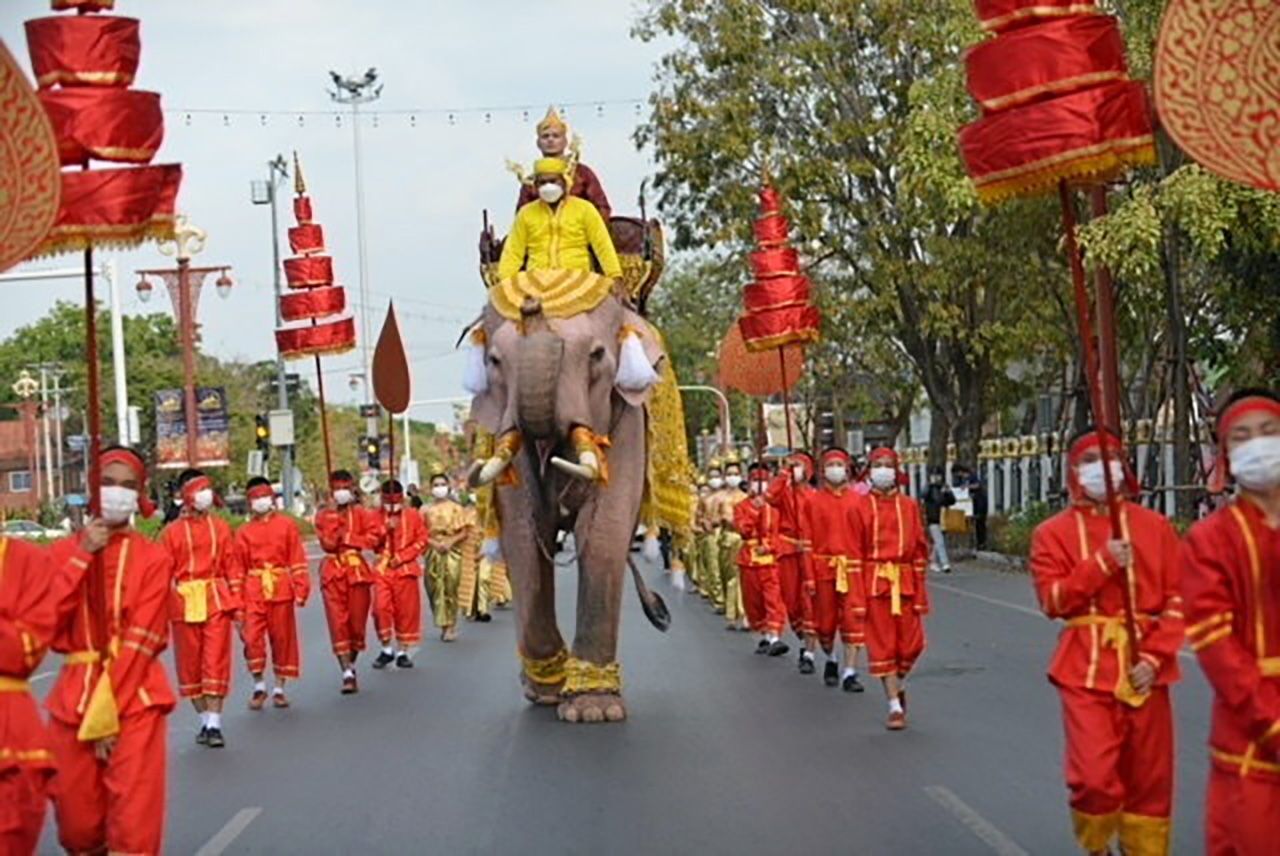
[[1017, 607], [977, 824], [228, 833]]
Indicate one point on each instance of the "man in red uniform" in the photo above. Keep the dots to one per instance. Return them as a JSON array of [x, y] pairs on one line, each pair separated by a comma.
[[27, 612], [398, 598], [1114, 689], [346, 580], [1232, 585], [789, 493], [270, 559], [553, 140], [111, 697], [206, 598], [757, 522], [893, 554], [839, 600]]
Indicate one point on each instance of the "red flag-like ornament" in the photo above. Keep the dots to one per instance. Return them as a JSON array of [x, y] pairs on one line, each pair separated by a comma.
[[30, 183], [391, 382], [778, 312]]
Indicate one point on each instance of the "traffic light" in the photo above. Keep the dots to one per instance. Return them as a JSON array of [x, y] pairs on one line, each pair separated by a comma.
[[373, 452], [826, 429], [262, 434]]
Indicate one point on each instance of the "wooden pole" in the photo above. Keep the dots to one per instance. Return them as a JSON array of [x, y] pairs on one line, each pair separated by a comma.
[[324, 422], [1093, 380], [786, 398], [391, 445], [1108, 353]]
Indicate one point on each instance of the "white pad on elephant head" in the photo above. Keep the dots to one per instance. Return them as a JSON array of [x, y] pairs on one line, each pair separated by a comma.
[[475, 377], [635, 372]]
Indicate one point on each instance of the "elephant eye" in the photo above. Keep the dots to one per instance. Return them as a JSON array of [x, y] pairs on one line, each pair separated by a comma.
[[494, 361], [597, 353]]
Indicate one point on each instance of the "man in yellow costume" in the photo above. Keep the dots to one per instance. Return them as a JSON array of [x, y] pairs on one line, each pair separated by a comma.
[[557, 231], [707, 526], [447, 523], [730, 543]]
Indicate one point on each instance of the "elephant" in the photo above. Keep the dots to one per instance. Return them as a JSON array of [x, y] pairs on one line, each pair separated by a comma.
[[571, 457]]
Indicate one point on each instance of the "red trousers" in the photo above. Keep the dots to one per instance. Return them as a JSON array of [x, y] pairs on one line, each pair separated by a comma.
[[1119, 766], [1243, 815], [791, 586], [762, 598], [833, 610], [117, 806], [894, 642], [346, 609], [202, 656], [277, 622], [23, 796], [397, 611]]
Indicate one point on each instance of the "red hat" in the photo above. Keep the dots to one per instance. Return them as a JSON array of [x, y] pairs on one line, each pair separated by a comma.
[[839, 455], [1115, 450], [134, 462], [259, 491], [193, 486], [883, 455], [804, 459]]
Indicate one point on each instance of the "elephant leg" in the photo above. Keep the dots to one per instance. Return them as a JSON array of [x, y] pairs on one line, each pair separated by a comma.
[[541, 647]]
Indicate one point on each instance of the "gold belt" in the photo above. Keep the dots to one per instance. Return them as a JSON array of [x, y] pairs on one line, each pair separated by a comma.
[[13, 685], [757, 556], [195, 600], [893, 573], [842, 565], [269, 575], [1115, 634], [82, 658]]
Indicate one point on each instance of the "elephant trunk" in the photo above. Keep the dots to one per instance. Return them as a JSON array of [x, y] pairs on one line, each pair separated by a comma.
[[538, 369]]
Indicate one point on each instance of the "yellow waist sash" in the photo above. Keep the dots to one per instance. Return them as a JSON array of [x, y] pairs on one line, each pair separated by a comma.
[[269, 575], [195, 600], [893, 573], [1114, 635], [760, 554], [841, 564], [13, 685], [101, 714]]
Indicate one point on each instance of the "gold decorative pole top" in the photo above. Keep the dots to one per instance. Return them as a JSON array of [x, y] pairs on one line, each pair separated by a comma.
[[188, 240], [299, 184]]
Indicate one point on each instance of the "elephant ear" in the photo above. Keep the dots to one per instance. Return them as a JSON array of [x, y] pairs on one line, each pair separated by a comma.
[[640, 357], [489, 405]]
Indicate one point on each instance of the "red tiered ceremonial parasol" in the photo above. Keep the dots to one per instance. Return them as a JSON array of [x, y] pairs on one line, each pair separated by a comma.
[[1059, 111], [779, 316], [84, 65], [758, 373], [314, 300]]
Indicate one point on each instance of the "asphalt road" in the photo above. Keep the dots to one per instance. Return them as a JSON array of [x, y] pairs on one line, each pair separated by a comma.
[[725, 752]]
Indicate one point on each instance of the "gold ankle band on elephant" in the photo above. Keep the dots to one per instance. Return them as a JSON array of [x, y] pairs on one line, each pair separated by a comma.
[[582, 677], [549, 671]]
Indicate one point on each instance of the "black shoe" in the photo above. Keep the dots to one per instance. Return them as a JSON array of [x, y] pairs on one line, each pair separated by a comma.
[[403, 662], [806, 665], [215, 739], [831, 674], [484, 618], [763, 647], [947, 569], [203, 737], [851, 685], [777, 649], [384, 660]]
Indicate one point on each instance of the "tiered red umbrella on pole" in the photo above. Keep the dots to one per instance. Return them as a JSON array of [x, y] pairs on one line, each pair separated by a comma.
[[778, 313], [313, 311], [84, 65], [1059, 111]]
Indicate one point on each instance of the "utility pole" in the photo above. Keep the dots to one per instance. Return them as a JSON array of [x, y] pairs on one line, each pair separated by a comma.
[[123, 437], [354, 91], [45, 429], [57, 426], [266, 194]]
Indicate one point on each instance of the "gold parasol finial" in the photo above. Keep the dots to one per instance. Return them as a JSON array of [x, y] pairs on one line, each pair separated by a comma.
[[299, 183]]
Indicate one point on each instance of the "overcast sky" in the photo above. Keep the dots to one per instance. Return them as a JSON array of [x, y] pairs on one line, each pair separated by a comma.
[[425, 183]]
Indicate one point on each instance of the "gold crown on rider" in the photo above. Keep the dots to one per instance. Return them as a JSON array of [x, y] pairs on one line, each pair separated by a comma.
[[552, 120], [551, 166]]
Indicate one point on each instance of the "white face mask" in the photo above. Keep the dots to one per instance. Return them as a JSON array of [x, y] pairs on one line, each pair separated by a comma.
[[440, 491], [1255, 464], [733, 481], [1094, 483], [261, 505], [715, 482], [118, 504], [551, 193], [392, 509], [757, 487], [343, 496], [203, 500], [798, 474], [884, 478], [835, 474]]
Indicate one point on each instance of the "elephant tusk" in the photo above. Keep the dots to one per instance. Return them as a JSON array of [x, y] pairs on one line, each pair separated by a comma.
[[490, 471], [587, 470]]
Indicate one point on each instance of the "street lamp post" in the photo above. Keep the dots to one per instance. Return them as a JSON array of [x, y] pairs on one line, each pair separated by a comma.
[[184, 287], [265, 193], [354, 91]]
